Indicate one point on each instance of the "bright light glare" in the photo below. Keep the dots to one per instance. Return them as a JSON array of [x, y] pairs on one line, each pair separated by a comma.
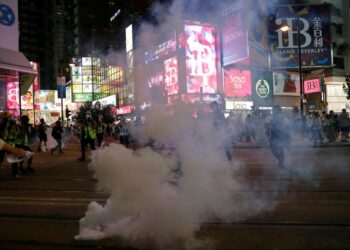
[[284, 28]]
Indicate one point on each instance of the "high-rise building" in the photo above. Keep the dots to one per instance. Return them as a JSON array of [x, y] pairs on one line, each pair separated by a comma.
[[46, 36]]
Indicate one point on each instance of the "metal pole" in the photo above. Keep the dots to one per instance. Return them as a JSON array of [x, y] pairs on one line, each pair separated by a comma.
[[61, 73], [300, 69], [20, 97]]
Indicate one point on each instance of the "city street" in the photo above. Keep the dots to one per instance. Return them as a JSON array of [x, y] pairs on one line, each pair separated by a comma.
[[311, 203]]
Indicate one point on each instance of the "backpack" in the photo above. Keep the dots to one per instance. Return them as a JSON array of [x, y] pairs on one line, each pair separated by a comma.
[[55, 132]]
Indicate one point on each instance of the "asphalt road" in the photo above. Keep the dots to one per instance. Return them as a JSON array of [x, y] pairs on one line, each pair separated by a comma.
[[311, 203]]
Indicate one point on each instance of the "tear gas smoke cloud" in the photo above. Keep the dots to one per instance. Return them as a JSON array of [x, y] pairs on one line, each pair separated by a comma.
[[148, 197]]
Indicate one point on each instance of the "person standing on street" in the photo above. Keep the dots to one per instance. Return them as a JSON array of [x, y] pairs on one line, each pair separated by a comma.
[[278, 135], [101, 128], [87, 136], [57, 132], [42, 134]]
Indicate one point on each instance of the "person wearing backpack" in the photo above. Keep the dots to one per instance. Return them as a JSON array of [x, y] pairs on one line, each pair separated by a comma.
[[57, 132]]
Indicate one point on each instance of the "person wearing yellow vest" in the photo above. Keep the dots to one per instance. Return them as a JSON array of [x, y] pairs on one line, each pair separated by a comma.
[[22, 141], [5, 146], [87, 136], [101, 127]]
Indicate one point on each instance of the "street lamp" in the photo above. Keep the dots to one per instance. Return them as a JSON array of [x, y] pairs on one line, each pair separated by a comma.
[[284, 28]]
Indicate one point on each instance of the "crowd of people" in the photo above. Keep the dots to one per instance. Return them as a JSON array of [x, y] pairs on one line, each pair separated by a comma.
[[275, 128]]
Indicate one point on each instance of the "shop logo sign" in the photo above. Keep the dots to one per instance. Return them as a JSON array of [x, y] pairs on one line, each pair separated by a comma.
[[7, 16], [262, 88]]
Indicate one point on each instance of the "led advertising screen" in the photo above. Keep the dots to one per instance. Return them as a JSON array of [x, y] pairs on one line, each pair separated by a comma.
[[312, 86], [286, 83], [315, 37], [155, 79], [171, 76], [237, 83], [234, 37], [161, 51], [12, 91], [201, 59]]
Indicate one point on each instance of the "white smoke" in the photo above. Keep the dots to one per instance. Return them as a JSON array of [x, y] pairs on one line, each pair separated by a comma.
[[149, 200], [164, 196]]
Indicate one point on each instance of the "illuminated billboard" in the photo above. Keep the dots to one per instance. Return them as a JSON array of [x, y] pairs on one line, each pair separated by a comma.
[[235, 45], [286, 83], [12, 91], [201, 57], [314, 24], [27, 99], [171, 76], [237, 83], [48, 100], [312, 86], [161, 51]]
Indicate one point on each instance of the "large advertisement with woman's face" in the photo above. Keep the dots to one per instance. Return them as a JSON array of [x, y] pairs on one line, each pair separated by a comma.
[[201, 58]]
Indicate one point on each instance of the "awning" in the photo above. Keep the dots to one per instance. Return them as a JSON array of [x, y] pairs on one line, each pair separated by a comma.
[[14, 61]]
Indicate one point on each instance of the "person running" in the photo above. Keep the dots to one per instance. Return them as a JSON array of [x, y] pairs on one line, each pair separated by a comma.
[[57, 132], [42, 134], [278, 135]]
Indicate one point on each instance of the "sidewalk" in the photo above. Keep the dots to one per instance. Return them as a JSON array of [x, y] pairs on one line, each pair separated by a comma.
[[295, 143]]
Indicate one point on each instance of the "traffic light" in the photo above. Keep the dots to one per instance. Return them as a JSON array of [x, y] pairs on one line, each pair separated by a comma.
[[68, 113]]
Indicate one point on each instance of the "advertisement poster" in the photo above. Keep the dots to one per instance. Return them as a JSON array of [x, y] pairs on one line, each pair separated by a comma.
[[315, 37], [12, 95], [287, 84], [312, 86], [36, 88], [27, 99], [237, 83], [171, 76], [47, 99], [155, 79], [80, 97], [234, 37], [262, 88], [201, 59]]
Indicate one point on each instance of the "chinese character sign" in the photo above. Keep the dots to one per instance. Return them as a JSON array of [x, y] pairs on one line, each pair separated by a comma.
[[237, 83], [312, 86], [171, 76], [200, 59], [314, 33]]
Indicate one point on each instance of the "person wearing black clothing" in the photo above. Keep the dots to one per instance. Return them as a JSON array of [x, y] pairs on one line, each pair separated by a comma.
[[87, 136], [278, 135], [57, 132], [42, 133]]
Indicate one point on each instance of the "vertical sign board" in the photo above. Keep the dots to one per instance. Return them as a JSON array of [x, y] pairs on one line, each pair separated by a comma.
[[61, 87], [201, 57], [234, 38], [315, 37], [262, 88]]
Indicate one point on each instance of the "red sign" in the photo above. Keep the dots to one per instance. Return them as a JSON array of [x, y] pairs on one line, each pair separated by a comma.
[[237, 83], [312, 86], [201, 59], [124, 110], [171, 76]]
